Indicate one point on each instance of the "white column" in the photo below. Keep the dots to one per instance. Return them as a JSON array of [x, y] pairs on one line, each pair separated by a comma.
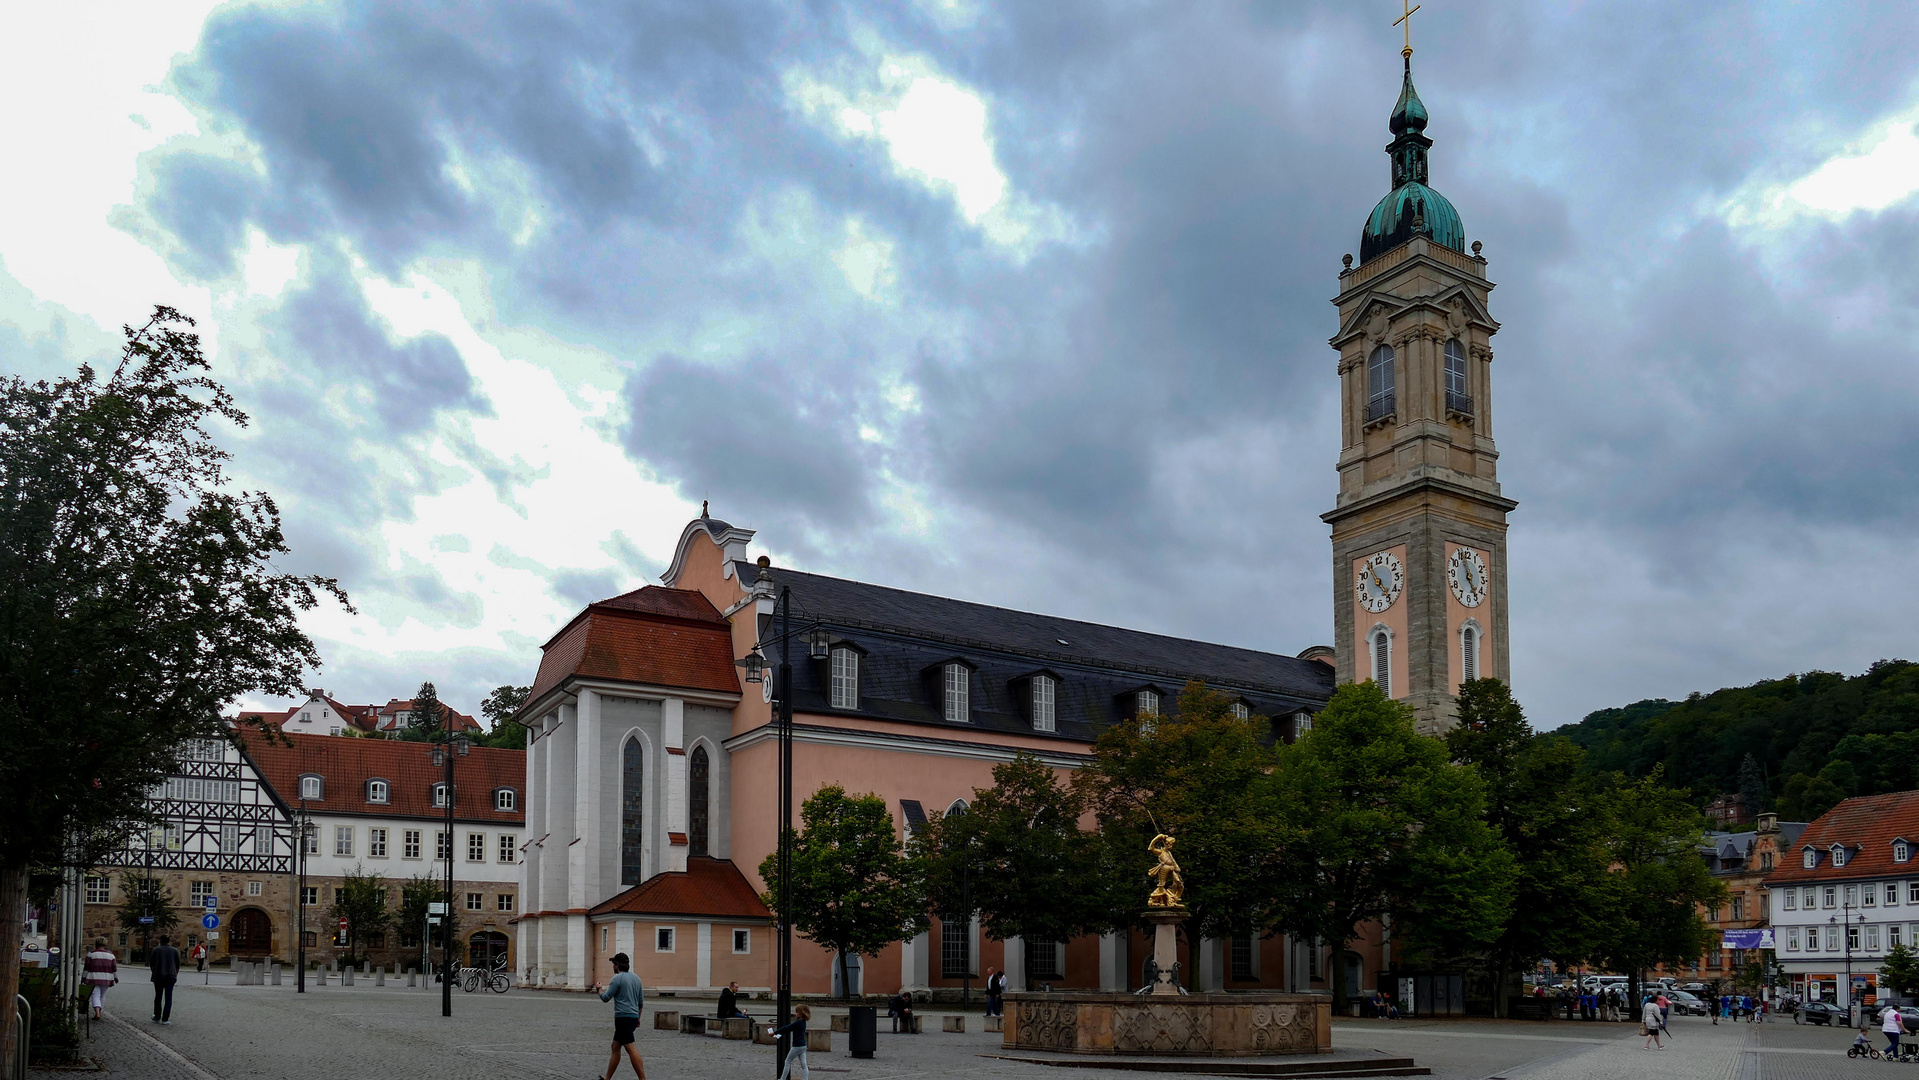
[[583, 863], [1210, 975], [558, 759], [579, 952], [673, 805], [916, 961], [1112, 971], [1015, 963], [703, 959], [536, 795]]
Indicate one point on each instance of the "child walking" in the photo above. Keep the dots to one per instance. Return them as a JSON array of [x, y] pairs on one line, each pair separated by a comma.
[[626, 994], [796, 1050]]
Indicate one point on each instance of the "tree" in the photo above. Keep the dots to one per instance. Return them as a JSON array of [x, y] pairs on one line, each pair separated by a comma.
[[416, 899], [1546, 812], [138, 600], [1376, 822], [147, 897], [1202, 776], [1656, 883], [1900, 970], [499, 709], [361, 900], [1752, 785], [1018, 857], [853, 890], [426, 717]]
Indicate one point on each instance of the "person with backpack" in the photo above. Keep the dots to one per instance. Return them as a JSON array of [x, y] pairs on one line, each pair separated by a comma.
[[102, 971], [627, 995]]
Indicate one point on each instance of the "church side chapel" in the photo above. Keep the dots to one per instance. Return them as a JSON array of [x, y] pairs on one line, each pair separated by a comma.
[[652, 765]]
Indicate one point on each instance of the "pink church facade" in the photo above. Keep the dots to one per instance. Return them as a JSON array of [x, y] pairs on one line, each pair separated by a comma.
[[652, 770]]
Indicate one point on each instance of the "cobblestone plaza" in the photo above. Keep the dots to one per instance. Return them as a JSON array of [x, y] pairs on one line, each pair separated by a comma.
[[230, 1033]]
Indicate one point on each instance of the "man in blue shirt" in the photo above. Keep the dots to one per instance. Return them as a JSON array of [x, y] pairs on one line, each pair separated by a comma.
[[627, 995]]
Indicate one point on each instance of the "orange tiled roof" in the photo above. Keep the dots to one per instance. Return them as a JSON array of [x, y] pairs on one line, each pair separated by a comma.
[[657, 636], [707, 888], [1866, 827], [407, 767]]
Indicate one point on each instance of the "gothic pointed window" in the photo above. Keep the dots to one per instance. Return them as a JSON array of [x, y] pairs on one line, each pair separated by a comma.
[[1379, 384], [632, 791], [699, 805], [1458, 398]]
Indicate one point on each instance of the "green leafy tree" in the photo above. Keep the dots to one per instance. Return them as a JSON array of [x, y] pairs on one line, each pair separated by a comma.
[[138, 600], [854, 890], [1378, 822], [1900, 970], [1547, 813], [499, 708], [417, 896], [1018, 857], [1201, 776], [426, 718], [1657, 884], [144, 897], [361, 899]]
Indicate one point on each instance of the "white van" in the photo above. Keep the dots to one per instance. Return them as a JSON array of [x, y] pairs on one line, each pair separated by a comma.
[[1599, 984]]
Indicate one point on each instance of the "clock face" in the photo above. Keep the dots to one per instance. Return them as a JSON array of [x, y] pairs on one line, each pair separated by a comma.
[[1466, 573], [1379, 581]]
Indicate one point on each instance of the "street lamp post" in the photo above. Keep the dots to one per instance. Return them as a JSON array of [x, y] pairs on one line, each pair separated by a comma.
[[302, 837], [1850, 918], [446, 746]]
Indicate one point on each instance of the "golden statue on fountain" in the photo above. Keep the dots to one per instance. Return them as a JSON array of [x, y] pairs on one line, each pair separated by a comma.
[[1170, 886]]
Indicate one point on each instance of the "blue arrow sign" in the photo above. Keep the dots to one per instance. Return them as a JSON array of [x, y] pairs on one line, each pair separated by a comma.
[[146, 920], [211, 922]]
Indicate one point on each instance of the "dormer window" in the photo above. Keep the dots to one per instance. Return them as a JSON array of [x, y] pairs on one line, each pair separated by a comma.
[[1242, 711], [311, 787], [957, 698], [439, 795], [1812, 858], [1146, 703], [376, 791], [1838, 855], [505, 799], [846, 678], [1045, 695], [1900, 851]]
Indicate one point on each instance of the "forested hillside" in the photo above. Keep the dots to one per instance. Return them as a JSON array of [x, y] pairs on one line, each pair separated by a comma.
[[1812, 739]]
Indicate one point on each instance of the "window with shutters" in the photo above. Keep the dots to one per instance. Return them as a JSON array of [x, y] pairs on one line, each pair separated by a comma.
[[958, 696], [1380, 644], [846, 679], [1045, 693]]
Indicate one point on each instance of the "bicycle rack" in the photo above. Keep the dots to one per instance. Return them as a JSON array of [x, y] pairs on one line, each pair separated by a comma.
[[23, 1042]]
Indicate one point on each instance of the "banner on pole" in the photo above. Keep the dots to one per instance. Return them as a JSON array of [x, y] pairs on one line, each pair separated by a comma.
[[1747, 939]]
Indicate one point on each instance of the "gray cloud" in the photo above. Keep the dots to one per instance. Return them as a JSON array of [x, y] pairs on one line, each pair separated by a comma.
[[1138, 426]]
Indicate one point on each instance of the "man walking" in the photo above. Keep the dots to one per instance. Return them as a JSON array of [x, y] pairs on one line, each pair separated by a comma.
[[626, 994], [995, 987], [164, 963]]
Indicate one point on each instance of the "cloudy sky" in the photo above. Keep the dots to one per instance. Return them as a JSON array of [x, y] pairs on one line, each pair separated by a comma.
[[1021, 303]]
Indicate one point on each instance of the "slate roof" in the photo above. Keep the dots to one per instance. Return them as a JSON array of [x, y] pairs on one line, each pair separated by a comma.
[[906, 636], [1866, 827], [1731, 852], [654, 635], [707, 888], [345, 765]]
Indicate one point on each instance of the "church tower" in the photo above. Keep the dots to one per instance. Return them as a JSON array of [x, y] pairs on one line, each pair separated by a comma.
[[1419, 528]]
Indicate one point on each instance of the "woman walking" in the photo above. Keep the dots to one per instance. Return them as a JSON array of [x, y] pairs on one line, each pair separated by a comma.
[[796, 1050], [102, 971], [1649, 1025]]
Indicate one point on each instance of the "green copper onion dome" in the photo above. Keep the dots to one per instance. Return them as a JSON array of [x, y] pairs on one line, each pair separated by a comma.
[[1411, 208]]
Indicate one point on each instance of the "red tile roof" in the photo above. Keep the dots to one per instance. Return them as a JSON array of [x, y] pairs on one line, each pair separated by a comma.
[[706, 888], [347, 764], [655, 636], [1866, 826]]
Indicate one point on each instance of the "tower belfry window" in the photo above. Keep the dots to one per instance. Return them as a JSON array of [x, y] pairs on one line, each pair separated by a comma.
[[1458, 398], [1468, 653], [1379, 384], [1382, 650]]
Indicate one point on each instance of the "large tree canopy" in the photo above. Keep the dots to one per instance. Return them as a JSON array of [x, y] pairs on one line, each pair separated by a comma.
[[138, 597]]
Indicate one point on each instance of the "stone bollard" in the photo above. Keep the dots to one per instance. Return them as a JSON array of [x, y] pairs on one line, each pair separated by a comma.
[[841, 1022], [817, 1039], [996, 1023], [952, 1023], [666, 1021], [379, 975], [409, 979], [319, 977], [737, 1027], [366, 967], [763, 1033], [346, 975], [276, 974]]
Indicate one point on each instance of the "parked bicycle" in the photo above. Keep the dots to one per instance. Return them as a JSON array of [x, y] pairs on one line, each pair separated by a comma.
[[494, 978]]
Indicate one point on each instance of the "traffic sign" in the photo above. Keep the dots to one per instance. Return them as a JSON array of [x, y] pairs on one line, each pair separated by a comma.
[[436, 907], [343, 925], [210, 921], [213, 935], [210, 902], [146, 920]]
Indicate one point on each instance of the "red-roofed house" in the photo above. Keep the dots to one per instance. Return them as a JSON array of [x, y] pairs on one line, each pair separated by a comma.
[[1846, 893], [321, 714]]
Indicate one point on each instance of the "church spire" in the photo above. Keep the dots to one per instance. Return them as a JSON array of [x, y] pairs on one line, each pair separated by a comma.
[[1411, 208]]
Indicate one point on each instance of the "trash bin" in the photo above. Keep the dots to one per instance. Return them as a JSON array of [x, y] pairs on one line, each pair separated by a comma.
[[862, 1030]]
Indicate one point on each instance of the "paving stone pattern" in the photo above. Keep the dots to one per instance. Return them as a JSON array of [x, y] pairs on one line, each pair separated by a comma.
[[350, 1033]]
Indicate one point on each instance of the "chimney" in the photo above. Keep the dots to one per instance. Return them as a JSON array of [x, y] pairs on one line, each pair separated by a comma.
[[1769, 822]]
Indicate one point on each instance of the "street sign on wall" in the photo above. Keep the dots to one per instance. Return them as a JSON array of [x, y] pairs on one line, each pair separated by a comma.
[[210, 902], [210, 921]]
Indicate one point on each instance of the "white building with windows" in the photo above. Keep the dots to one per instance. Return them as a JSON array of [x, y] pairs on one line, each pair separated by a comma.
[[1846, 894], [378, 807]]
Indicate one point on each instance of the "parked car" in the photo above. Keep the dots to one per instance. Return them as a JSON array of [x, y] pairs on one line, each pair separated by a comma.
[[1819, 1012], [1695, 988], [1907, 1013], [1686, 1004]]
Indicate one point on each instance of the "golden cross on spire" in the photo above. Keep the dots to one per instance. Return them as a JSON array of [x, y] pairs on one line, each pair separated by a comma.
[[1407, 19]]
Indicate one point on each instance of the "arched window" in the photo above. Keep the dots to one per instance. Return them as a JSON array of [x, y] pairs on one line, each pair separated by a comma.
[[376, 791], [1468, 652], [1379, 384], [632, 789], [698, 804], [1458, 398], [1381, 645]]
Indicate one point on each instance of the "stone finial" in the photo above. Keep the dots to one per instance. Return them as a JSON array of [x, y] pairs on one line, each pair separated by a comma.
[[1347, 261]]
